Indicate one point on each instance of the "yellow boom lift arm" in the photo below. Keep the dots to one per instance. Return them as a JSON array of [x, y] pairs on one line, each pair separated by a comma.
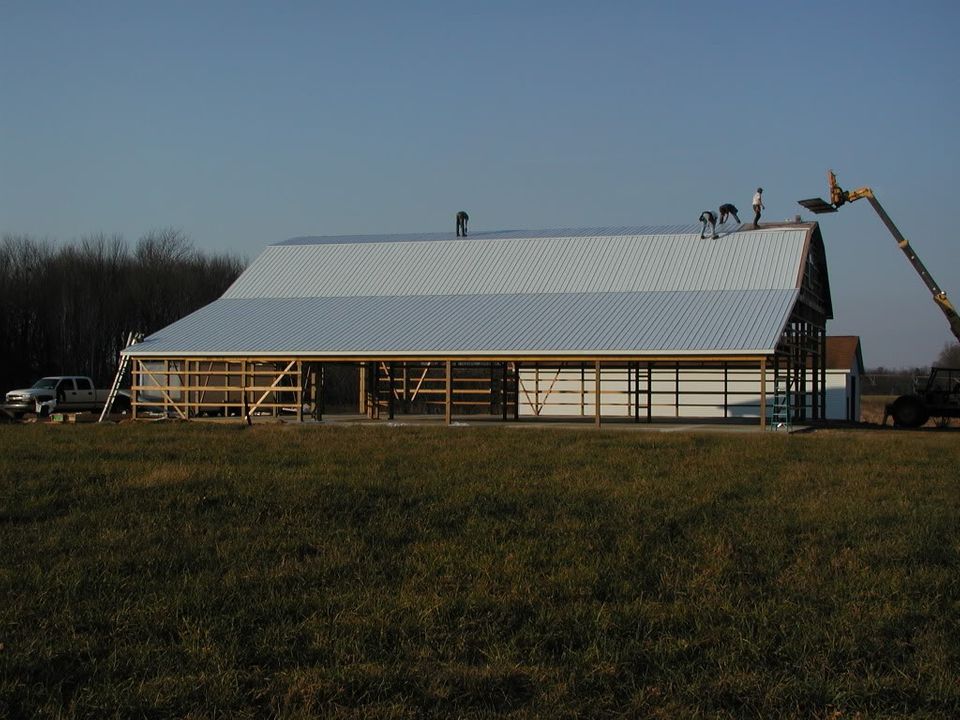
[[839, 197]]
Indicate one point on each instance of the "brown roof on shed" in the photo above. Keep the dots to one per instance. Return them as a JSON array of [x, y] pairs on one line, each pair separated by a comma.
[[843, 352]]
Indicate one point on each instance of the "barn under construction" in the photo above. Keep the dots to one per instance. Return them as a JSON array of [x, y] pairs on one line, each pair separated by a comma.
[[630, 323]]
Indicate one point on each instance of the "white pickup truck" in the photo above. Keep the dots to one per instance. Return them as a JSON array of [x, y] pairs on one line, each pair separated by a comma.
[[71, 393]]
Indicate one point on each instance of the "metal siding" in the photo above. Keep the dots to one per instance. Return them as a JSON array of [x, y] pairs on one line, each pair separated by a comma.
[[664, 322], [763, 259]]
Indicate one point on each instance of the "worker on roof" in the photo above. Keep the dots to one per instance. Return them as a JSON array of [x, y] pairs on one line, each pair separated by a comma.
[[708, 218], [728, 209], [757, 207], [462, 219]]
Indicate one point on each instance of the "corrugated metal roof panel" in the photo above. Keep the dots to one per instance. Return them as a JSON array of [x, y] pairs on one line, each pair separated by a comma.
[[580, 262], [665, 322]]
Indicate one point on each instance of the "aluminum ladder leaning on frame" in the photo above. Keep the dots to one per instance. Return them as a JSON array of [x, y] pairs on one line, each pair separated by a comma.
[[132, 339], [780, 417]]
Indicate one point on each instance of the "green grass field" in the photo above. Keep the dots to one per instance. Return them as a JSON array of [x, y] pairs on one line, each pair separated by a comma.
[[204, 571]]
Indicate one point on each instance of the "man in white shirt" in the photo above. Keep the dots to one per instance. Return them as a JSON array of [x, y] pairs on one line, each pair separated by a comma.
[[757, 207]]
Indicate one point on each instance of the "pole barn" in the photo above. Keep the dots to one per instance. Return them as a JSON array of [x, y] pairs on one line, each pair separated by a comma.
[[629, 323]]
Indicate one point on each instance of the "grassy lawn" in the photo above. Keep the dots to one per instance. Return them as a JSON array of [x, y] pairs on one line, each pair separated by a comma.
[[172, 570]]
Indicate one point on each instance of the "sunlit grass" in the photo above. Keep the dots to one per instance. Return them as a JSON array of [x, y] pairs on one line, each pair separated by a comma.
[[212, 571]]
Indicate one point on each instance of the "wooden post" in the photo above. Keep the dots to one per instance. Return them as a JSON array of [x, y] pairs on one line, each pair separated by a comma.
[[536, 389], [320, 406], [299, 393], [823, 376], [516, 391], [676, 390], [493, 398], [448, 405], [373, 389], [243, 387], [313, 375], [134, 382], [362, 400], [503, 391], [649, 393], [188, 384], [763, 393], [391, 368], [596, 383], [583, 390], [726, 399], [244, 400]]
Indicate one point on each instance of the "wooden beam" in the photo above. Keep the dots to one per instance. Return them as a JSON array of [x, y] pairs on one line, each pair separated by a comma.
[[166, 397], [423, 376], [283, 374]]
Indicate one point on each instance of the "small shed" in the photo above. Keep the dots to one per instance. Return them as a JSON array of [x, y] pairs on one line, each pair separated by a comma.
[[844, 371]]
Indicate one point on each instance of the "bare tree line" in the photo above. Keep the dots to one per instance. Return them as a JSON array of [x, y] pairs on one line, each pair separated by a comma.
[[66, 309]]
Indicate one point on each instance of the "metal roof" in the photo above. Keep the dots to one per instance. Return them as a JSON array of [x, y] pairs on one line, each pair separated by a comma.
[[761, 259], [561, 292], [676, 322]]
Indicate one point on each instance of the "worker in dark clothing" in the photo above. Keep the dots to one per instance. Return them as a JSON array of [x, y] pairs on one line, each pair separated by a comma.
[[757, 207], [728, 209], [708, 218], [462, 219]]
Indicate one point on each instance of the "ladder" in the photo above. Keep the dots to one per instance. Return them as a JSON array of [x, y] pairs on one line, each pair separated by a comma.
[[780, 417], [132, 339]]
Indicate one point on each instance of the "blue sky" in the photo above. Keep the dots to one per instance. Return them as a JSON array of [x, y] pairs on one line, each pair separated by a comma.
[[247, 123]]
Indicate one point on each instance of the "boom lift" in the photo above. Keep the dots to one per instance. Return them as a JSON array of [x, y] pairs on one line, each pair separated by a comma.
[[940, 396], [839, 197]]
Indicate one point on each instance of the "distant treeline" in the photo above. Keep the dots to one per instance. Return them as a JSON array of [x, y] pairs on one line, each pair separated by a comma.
[[888, 381], [901, 381], [66, 308]]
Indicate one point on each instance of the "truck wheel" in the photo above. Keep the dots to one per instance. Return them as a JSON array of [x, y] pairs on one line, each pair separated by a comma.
[[909, 411]]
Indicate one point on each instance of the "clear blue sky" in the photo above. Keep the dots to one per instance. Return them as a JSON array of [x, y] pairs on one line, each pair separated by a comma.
[[246, 123]]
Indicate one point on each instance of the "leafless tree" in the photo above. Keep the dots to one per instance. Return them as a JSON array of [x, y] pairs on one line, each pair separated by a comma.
[[67, 308]]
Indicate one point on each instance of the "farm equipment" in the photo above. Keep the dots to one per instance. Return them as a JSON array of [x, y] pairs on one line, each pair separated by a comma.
[[936, 396], [939, 394], [839, 197]]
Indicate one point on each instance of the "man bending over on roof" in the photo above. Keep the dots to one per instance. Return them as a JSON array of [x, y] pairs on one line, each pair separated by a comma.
[[462, 218], [708, 218], [728, 209]]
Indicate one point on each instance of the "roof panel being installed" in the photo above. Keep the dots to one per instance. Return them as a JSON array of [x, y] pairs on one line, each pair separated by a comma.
[[621, 291]]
